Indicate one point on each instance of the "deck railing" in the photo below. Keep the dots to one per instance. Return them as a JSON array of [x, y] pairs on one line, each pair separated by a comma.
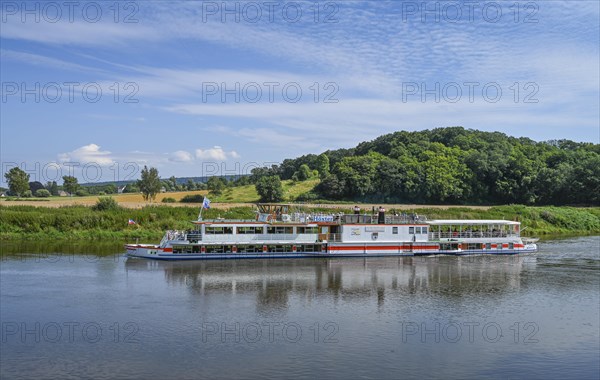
[[339, 218], [470, 235]]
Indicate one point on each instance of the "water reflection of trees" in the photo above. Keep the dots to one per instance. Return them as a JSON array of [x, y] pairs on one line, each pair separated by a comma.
[[274, 281], [52, 249]]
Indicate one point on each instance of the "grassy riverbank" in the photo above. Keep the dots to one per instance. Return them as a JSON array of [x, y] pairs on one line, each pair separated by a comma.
[[84, 223]]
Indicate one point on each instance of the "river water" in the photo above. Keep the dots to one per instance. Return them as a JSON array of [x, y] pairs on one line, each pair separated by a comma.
[[88, 312]]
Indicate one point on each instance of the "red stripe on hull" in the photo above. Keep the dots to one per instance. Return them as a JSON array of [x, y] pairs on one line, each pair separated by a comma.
[[380, 247]]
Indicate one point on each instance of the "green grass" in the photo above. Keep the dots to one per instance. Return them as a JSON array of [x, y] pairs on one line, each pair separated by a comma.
[[240, 194], [84, 223], [248, 194], [293, 189]]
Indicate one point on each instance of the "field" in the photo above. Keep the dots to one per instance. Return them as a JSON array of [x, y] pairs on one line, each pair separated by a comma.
[[233, 197]]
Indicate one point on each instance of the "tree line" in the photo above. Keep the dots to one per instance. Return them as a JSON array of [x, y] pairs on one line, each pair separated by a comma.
[[453, 165], [440, 166]]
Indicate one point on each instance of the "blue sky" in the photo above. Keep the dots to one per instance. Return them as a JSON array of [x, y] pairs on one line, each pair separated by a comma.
[[197, 88]]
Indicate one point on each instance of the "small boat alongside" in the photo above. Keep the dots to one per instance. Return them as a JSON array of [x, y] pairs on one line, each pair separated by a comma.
[[279, 232]]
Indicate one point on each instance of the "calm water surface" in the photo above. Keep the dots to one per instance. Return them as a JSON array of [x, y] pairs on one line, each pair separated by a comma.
[[87, 312]]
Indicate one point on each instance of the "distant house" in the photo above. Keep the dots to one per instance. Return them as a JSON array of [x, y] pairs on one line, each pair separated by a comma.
[[2, 193], [163, 190], [62, 193]]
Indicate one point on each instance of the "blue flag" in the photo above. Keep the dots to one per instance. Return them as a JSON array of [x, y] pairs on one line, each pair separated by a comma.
[[206, 203]]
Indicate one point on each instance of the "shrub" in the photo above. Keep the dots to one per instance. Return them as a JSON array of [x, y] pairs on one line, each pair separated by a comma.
[[106, 203], [195, 198], [307, 197], [27, 194], [81, 193], [168, 200], [42, 193]]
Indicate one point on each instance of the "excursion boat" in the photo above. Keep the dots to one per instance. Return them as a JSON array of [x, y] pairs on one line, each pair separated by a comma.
[[277, 233]]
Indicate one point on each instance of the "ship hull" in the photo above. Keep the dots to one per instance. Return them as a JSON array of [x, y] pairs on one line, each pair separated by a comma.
[[157, 253]]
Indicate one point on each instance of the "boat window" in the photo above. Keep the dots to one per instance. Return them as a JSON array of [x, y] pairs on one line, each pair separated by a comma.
[[280, 230], [214, 249], [249, 230], [395, 230], [307, 230], [218, 230], [411, 230], [249, 248], [424, 230], [417, 230]]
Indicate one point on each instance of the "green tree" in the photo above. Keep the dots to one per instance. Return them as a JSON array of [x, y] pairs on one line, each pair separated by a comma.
[[18, 181], [149, 184], [191, 185], [42, 193], [105, 204], [173, 181], [52, 187], [332, 187], [323, 165], [215, 185], [70, 184], [270, 189], [302, 174]]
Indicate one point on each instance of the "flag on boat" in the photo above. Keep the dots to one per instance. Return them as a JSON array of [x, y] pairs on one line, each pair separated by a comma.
[[131, 221], [206, 203]]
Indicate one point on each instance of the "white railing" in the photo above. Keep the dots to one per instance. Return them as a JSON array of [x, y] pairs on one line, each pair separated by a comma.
[[471, 235], [260, 237]]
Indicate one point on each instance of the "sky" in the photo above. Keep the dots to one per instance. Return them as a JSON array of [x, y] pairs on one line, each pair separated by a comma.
[[99, 89]]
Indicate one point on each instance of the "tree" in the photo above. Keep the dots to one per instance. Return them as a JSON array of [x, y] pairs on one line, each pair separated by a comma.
[[35, 186], [173, 181], [215, 185], [42, 193], [149, 183], [332, 187], [303, 173], [191, 185], [323, 165], [270, 189], [52, 187], [18, 181], [105, 204], [70, 184]]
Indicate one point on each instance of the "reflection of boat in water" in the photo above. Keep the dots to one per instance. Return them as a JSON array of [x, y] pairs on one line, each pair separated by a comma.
[[278, 232], [272, 281]]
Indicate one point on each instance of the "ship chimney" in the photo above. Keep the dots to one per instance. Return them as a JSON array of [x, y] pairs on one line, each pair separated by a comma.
[[381, 218]]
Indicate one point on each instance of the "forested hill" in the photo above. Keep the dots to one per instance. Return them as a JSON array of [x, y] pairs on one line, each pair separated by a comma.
[[457, 165]]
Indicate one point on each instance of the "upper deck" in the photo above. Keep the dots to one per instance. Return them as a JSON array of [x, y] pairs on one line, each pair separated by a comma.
[[283, 214], [473, 228]]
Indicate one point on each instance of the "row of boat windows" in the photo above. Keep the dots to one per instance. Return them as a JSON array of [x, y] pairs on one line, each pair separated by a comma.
[[289, 230], [278, 248], [259, 230], [472, 246]]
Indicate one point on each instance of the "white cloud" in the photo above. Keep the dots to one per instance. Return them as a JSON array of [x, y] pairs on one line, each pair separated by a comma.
[[181, 156], [215, 153], [78, 32], [88, 154]]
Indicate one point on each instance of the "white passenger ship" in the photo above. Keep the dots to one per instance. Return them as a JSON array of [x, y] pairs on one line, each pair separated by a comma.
[[278, 233]]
